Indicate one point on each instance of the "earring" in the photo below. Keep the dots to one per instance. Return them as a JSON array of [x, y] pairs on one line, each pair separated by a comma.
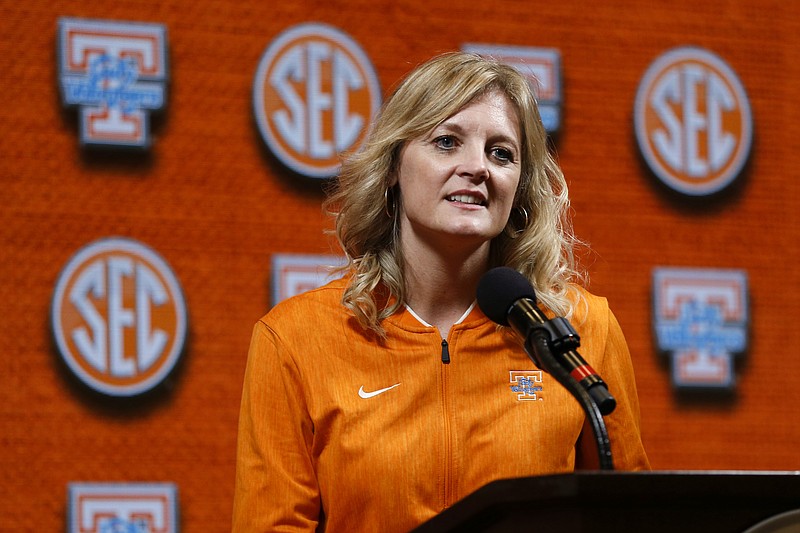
[[389, 211], [524, 224], [525, 214]]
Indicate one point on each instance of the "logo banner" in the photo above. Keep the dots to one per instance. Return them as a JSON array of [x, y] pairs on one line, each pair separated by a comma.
[[315, 94], [693, 122], [119, 317], [542, 67], [701, 320], [115, 73], [293, 274], [122, 507]]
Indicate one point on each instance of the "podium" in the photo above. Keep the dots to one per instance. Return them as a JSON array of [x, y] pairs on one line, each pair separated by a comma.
[[605, 501]]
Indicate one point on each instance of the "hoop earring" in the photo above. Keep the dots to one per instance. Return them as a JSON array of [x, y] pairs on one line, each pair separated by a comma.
[[524, 224], [525, 214], [386, 209]]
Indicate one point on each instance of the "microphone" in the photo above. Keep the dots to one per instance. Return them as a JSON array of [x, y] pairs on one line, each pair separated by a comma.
[[507, 297]]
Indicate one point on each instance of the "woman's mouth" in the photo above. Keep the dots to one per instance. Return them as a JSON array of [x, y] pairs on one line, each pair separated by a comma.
[[466, 199]]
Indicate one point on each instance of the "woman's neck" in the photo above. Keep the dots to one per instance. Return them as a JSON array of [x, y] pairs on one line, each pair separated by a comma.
[[441, 287]]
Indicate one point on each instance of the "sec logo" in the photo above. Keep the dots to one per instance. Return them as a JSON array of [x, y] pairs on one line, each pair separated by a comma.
[[119, 317], [693, 121], [314, 95]]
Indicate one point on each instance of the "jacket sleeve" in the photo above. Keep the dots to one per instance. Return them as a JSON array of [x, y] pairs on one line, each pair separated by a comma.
[[623, 424], [276, 488]]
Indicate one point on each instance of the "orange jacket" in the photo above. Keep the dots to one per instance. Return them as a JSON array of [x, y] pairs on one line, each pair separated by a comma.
[[339, 429]]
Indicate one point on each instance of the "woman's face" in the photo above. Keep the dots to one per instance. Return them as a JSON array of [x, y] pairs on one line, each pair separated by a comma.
[[458, 182]]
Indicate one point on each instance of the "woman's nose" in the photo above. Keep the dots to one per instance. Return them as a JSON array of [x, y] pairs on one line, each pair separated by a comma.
[[475, 165]]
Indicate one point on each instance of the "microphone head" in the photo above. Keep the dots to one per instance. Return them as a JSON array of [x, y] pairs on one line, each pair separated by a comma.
[[498, 289]]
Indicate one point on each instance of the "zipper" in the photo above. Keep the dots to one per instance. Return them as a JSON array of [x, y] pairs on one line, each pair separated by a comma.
[[447, 437], [448, 476], [445, 352]]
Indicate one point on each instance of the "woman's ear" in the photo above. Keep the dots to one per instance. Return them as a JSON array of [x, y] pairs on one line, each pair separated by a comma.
[[394, 171]]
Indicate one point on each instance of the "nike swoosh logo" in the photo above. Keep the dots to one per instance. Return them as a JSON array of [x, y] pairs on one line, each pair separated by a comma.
[[364, 394]]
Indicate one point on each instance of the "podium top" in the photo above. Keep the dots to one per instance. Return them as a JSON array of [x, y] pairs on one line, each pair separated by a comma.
[[707, 501]]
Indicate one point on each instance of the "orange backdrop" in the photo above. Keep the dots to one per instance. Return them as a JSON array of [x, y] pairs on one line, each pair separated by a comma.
[[216, 205]]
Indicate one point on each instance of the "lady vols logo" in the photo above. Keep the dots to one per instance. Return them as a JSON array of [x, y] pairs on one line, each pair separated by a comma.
[[693, 121], [119, 317], [314, 95]]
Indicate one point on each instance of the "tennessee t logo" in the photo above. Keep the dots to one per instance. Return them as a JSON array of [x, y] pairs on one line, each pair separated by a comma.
[[115, 74]]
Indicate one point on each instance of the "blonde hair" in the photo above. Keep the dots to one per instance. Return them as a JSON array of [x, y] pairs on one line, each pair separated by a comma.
[[538, 241]]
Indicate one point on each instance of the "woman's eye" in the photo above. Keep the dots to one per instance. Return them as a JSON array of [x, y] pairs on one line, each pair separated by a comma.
[[445, 142], [503, 155]]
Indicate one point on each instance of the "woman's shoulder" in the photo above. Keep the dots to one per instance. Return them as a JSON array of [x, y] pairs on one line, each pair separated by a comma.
[[309, 306], [589, 309], [593, 301]]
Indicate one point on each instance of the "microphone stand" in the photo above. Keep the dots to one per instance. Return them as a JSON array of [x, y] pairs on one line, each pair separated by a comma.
[[538, 346]]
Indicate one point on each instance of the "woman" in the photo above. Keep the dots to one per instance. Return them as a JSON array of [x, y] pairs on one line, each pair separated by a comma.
[[380, 399]]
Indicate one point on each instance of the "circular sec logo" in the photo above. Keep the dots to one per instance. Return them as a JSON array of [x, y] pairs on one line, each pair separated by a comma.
[[314, 96], [693, 122], [119, 317]]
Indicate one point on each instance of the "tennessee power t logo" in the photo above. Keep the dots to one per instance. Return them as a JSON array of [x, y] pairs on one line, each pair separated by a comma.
[[542, 68], [115, 74], [701, 320], [122, 508], [296, 273]]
